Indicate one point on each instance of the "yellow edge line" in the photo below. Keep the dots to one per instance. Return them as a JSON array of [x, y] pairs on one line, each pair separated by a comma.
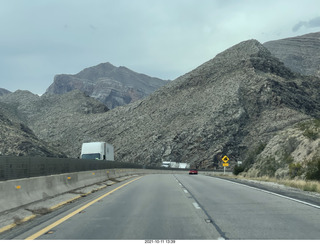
[[58, 222], [63, 203], [8, 227], [11, 226]]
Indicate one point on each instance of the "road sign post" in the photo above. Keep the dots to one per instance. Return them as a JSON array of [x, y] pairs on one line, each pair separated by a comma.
[[225, 159]]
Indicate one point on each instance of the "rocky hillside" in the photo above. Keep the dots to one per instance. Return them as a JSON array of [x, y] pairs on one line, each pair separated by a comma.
[[46, 116], [293, 152], [242, 97], [301, 54], [244, 103], [3, 91], [17, 139], [113, 86]]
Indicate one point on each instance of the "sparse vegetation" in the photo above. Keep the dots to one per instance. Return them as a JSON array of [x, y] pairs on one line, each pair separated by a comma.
[[311, 134], [252, 156], [287, 158], [310, 128], [313, 169], [313, 186], [304, 176], [310, 186], [295, 170], [238, 169], [269, 167], [309, 170]]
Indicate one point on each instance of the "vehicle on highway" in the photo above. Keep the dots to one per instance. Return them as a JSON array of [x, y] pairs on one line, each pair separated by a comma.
[[193, 172], [97, 150]]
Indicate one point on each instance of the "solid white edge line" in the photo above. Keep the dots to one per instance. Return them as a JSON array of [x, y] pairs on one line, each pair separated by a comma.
[[272, 193]]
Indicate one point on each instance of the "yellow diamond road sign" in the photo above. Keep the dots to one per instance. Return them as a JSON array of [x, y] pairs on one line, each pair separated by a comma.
[[225, 159]]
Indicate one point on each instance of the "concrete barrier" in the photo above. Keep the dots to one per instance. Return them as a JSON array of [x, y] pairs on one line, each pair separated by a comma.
[[20, 192], [16, 193]]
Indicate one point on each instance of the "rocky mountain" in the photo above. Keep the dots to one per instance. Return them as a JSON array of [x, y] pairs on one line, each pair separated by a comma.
[[113, 86], [293, 152], [3, 91], [43, 115], [301, 54], [17, 139], [244, 103]]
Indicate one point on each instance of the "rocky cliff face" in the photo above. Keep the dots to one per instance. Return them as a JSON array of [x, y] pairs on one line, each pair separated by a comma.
[[241, 99], [293, 152], [113, 86], [17, 139], [43, 117], [301, 54]]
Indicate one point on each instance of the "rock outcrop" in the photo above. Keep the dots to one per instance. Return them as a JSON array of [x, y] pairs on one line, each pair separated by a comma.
[[4, 92], [301, 54], [34, 120], [17, 139], [113, 86], [241, 99]]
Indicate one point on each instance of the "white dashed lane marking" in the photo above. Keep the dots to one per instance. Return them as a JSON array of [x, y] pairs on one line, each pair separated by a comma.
[[196, 205]]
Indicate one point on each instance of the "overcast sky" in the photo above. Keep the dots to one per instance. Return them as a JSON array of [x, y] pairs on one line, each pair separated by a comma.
[[159, 38]]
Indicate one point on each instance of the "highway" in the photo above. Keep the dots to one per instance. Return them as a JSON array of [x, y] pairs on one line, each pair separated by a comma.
[[181, 207]]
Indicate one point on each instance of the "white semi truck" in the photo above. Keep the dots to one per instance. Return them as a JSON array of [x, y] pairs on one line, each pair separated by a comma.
[[97, 150]]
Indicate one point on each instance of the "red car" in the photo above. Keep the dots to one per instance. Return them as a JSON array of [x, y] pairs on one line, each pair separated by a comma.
[[193, 172]]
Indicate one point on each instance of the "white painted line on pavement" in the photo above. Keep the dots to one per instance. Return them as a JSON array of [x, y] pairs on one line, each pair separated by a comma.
[[196, 205], [275, 194]]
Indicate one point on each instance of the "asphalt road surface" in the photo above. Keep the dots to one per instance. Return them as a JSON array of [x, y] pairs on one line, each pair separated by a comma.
[[182, 207]]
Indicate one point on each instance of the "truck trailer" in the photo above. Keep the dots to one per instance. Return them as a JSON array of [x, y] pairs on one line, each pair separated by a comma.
[[97, 150]]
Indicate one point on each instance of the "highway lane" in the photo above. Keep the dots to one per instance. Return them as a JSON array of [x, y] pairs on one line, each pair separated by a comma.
[[243, 212], [152, 207], [185, 207]]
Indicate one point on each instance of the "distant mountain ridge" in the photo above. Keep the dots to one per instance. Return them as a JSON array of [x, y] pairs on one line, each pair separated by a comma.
[[244, 103], [242, 97], [113, 86], [301, 53], [17, 139], [3, 91], [26, 121]]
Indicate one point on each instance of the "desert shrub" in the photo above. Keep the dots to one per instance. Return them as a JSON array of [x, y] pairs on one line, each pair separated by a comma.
[[295, 169], [238, 169], [313, 169], [252, 156], [310, 128], [269, 167], [287, 158], [311, 134]]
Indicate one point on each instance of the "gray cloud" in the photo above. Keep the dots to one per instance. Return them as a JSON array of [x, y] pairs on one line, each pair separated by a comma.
[[314, 22], [307, 24], [160, 38]]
